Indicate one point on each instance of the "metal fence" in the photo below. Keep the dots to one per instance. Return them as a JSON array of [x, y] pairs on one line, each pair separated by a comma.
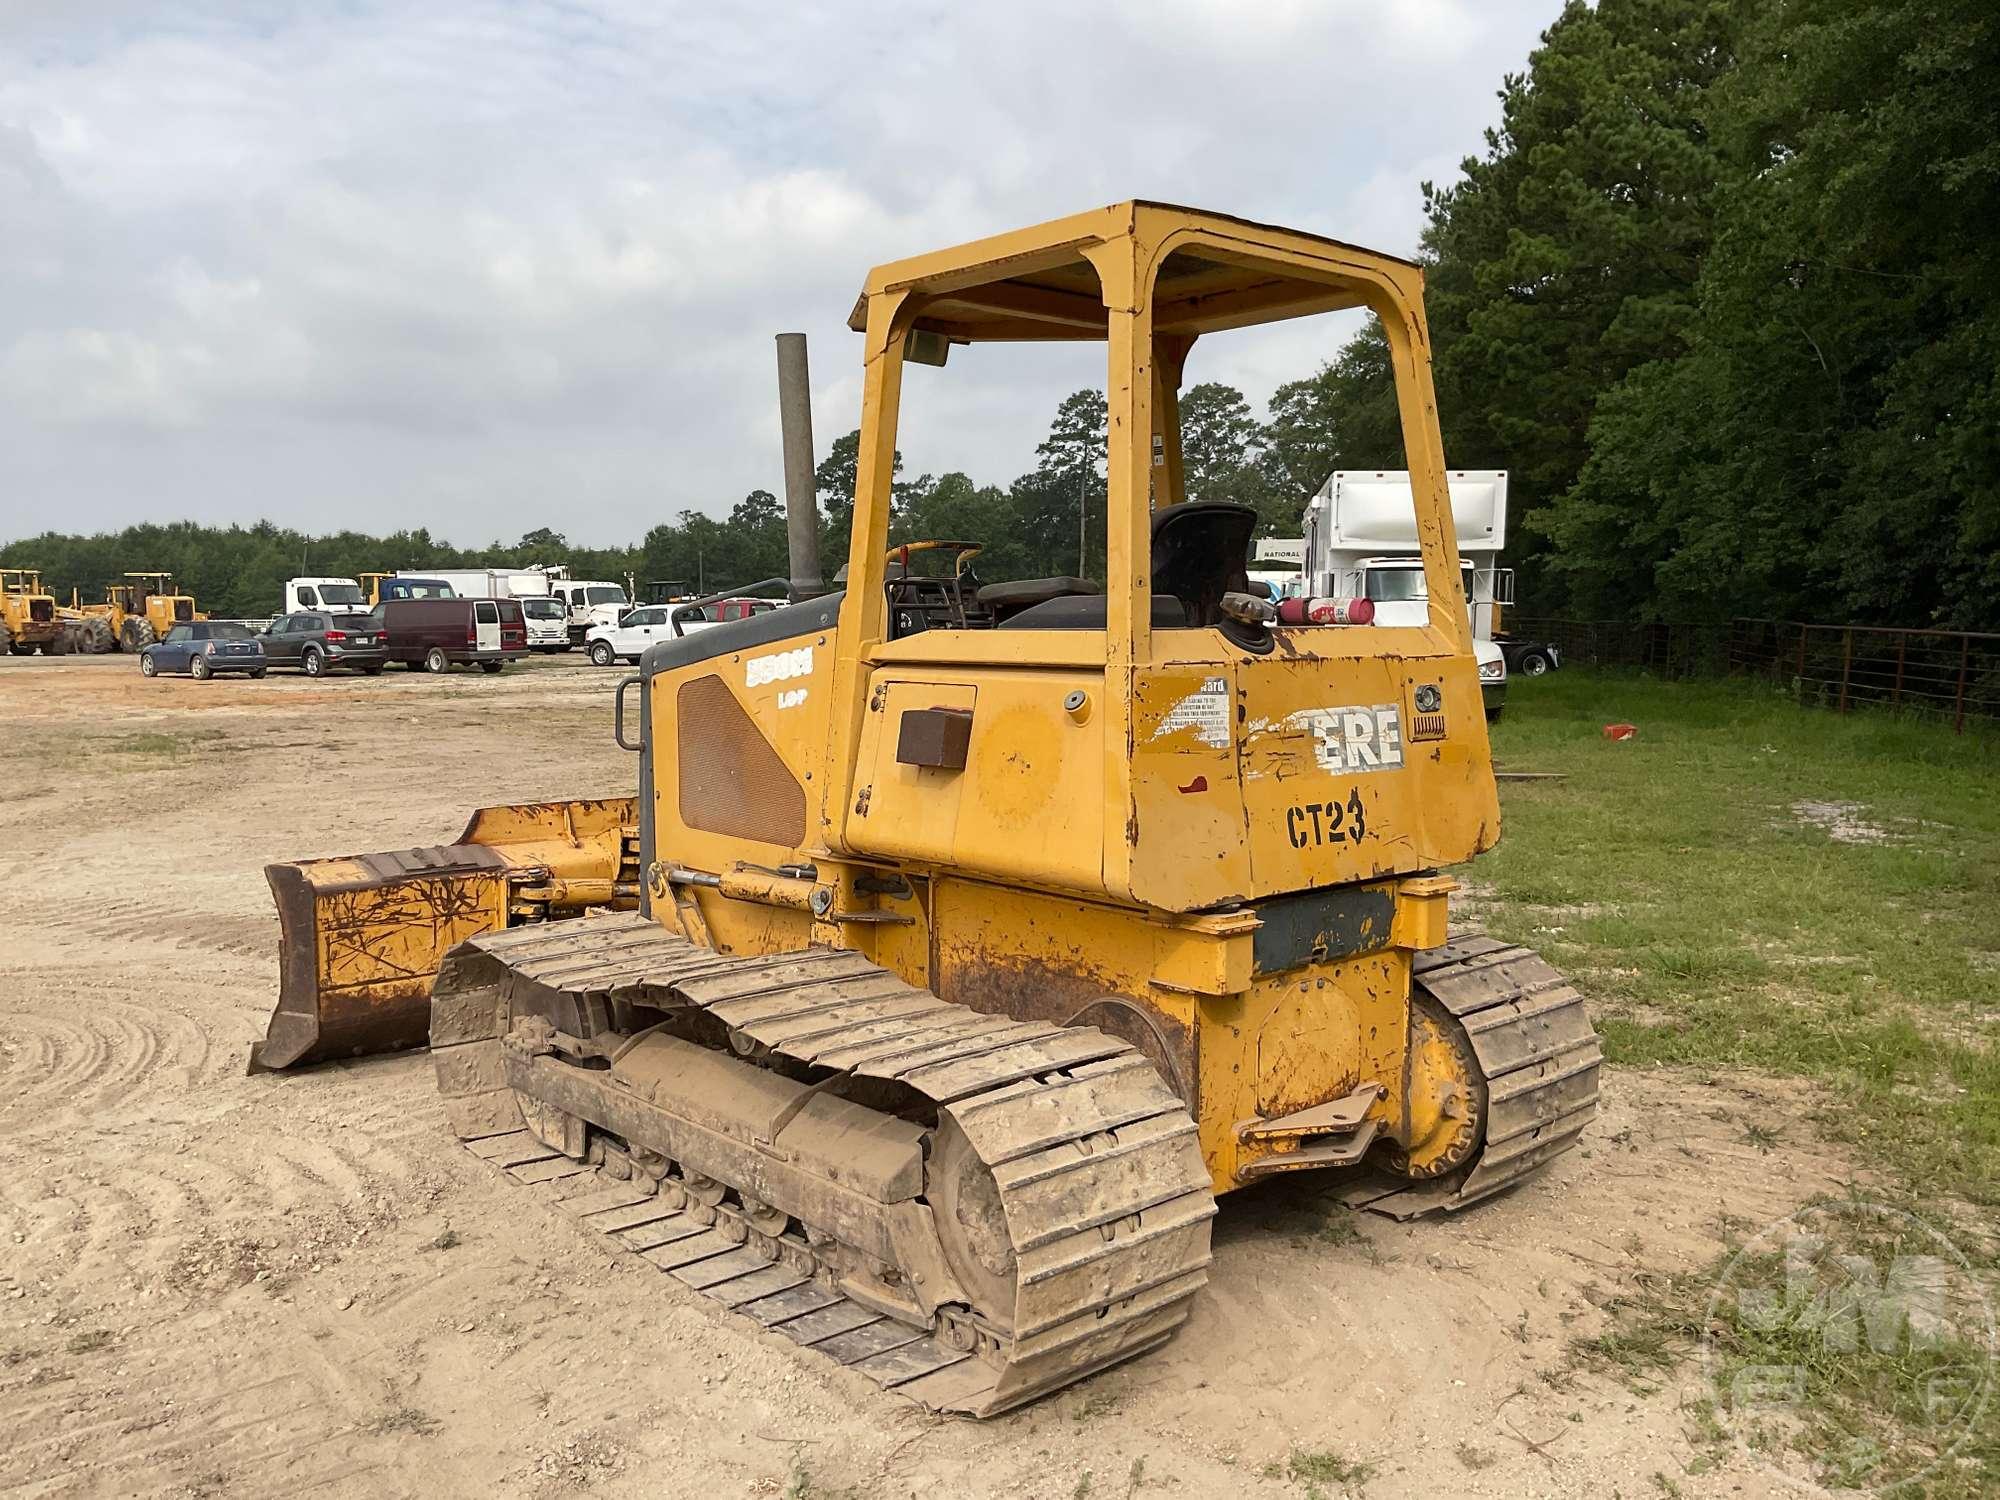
[[1672, 649], [1952, 676]]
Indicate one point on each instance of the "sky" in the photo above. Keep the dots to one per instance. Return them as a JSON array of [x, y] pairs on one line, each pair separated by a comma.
[[487, 265]]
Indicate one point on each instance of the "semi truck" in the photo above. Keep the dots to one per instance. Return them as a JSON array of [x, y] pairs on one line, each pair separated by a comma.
[[590, 602]]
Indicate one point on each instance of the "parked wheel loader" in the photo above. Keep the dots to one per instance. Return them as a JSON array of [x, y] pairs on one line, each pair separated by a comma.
[[145, 607], [29, 620], [131, 616], [977, 946]]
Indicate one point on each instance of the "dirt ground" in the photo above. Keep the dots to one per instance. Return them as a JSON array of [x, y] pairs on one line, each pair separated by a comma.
[[219, 1285]]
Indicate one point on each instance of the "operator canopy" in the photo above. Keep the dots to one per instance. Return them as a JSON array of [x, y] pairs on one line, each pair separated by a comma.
[[1043, 291]]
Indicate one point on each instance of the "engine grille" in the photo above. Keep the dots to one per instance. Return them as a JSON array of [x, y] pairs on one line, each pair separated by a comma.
[[732, 781]]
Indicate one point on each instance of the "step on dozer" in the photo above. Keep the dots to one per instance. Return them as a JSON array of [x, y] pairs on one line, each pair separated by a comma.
[[987, 933]]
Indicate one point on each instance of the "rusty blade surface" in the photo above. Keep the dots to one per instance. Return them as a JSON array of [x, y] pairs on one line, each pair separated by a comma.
[[361, 936], [360, 940]]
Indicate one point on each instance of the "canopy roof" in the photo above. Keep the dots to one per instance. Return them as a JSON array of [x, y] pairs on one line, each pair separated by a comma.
[[1038, 284]]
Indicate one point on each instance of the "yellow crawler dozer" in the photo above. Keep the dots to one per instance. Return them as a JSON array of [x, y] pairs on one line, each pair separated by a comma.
[[980, 937]]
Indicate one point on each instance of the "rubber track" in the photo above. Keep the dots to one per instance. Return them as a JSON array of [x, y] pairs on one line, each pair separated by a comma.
[[1102, 1185], [1541, 1058]]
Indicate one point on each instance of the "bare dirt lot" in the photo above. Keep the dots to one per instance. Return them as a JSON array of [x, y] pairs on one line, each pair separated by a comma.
[[219, 1285]]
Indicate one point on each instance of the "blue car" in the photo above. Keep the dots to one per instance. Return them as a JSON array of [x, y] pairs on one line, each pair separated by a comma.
[[205, 647]]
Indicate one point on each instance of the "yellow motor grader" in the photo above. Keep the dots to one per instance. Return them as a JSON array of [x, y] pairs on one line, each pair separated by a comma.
[[132, 616], [29, 619], [966, 941]]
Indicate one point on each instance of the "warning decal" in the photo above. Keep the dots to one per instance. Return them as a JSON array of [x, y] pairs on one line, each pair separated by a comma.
[[1205, 711]]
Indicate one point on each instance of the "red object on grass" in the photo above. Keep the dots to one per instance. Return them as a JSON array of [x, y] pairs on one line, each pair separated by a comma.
[[1621, 731]]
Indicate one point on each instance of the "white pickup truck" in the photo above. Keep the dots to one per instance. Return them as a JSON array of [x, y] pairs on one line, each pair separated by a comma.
[[628, 639]]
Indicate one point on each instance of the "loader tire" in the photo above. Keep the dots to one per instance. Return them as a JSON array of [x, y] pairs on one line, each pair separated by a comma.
[[95, 637], [138, 635]]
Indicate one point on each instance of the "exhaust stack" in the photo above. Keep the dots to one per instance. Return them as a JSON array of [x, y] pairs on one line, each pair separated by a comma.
[[801, 501]]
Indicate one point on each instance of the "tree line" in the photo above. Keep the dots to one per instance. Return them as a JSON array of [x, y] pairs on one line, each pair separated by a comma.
[[1048, 521], [1722, 295], [1719, 293]]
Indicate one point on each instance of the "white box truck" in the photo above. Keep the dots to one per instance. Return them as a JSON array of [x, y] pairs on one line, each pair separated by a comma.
[[1361, 542], [486, 583], [342, 595]]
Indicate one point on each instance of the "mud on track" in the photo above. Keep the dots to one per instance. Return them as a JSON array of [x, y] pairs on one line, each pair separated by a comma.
[[214, 1285]]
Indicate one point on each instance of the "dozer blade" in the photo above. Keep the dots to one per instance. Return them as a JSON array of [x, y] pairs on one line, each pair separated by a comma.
[[361, 936], [970, 1211]]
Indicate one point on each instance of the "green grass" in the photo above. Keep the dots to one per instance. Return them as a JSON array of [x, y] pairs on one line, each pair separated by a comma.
[[1316, 1468], [1860, 1414], [1712, 925], [171, 746]]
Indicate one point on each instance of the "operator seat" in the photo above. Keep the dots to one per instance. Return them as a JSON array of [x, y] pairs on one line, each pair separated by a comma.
[[1201, 551]]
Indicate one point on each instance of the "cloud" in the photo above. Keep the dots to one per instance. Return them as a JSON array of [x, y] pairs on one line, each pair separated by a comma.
[[481, 263]]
